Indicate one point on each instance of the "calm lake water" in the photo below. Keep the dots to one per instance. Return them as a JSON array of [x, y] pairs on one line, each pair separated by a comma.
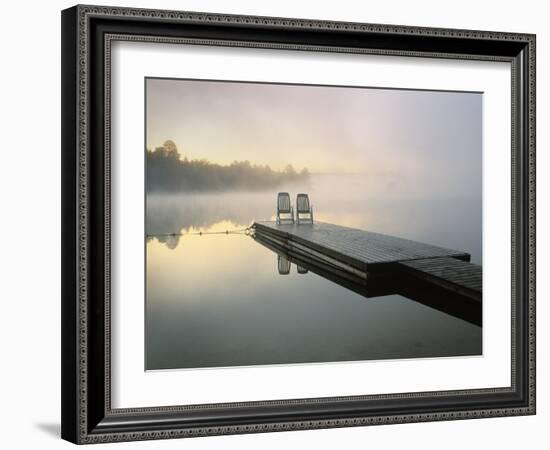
[[218, 300]]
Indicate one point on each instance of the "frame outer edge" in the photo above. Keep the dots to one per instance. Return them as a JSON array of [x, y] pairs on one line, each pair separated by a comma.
[[297, 23], [69, 233], [75, 239], [532, 143]]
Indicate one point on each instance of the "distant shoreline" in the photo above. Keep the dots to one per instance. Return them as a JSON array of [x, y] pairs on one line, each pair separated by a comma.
[[167, 171]]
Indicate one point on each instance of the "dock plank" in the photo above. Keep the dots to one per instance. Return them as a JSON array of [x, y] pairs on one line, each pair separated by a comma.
[[364, 249]]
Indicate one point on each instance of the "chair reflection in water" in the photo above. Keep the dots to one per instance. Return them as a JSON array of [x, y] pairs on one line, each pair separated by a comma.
[[303, 208], [284, 208], [284, 264]]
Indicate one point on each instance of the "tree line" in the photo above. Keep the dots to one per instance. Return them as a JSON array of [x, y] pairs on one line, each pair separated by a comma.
[[168, 172]]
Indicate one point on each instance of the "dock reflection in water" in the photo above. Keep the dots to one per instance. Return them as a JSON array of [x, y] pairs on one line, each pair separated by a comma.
[[380, 285]]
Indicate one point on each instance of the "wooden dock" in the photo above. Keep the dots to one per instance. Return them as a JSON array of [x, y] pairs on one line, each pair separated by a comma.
[[449, 273], [362, 254]]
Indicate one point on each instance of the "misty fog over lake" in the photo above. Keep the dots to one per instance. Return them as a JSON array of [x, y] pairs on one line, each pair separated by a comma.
[[218, 300]]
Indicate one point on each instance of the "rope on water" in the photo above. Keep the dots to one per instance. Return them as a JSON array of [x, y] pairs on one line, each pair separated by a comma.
[[246, 231]]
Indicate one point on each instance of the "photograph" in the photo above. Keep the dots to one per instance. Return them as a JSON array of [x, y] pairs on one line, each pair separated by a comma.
[[297, 223]]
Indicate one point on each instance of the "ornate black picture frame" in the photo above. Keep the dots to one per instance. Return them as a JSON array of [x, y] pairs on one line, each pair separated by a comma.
[[87, 34]]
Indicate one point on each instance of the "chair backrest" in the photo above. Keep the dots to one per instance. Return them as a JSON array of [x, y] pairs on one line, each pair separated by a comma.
[[283, 202], [302, 203]]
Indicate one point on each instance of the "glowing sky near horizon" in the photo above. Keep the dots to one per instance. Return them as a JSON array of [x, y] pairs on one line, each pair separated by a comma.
[[326, 129]]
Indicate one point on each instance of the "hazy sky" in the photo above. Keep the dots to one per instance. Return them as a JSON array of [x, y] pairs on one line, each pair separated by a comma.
[[326, 129]]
